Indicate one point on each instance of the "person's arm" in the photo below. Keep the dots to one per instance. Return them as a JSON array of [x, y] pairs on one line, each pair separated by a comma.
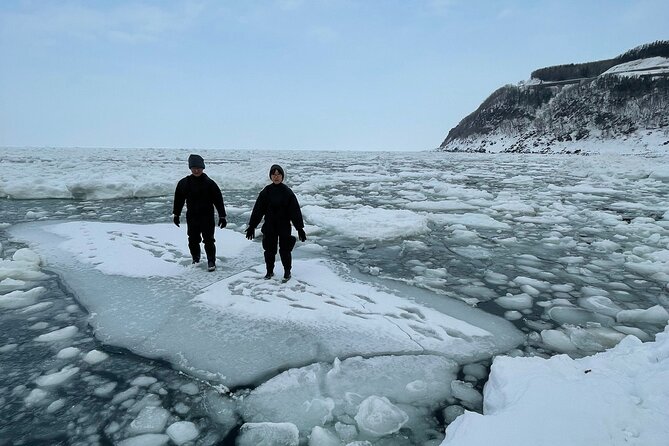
[[296, 218], [179, 200], [259, 209], [295, 213], [256, 215], [217, 198]]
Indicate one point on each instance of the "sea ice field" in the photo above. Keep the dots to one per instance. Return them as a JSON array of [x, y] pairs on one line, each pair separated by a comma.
[[440, 299]]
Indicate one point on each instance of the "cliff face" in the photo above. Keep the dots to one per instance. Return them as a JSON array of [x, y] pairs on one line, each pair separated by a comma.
[[576, 108]]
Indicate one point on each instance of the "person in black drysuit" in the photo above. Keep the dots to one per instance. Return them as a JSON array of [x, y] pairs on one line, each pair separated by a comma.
[[201, 195], [278, 204]]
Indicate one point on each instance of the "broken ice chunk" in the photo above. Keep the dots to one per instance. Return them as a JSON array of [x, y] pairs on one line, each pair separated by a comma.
[[377, 416]]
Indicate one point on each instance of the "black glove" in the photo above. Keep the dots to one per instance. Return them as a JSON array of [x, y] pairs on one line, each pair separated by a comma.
[[222, 222], [250, 233], [301, 235], [176, 220]]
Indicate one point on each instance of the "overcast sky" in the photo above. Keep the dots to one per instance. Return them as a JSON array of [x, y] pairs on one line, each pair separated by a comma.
[[285, 74]]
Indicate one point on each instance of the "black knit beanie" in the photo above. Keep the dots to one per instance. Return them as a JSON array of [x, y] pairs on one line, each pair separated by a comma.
[[195, 161], [276, 167]]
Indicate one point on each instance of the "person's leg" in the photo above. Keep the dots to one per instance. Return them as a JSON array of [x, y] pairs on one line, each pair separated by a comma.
[[194, 240], [269, 244], [208, 228], [286, 245]]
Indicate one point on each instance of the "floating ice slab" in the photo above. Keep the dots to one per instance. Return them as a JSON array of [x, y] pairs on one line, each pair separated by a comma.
[[20, 299], [380, 224], [322, 394], [275, 434], [378, 417], [143, 294], [182, 432], [617, 397]]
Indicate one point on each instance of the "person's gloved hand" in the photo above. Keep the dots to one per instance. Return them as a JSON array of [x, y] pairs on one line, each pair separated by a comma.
[[302, 235], [222, 222], [250, 233], [176, 220]]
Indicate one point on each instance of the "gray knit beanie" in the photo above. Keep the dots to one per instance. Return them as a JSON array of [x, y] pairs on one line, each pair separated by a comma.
[[195, 161]]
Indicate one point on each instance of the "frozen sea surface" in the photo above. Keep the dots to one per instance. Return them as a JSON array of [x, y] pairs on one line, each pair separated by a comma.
[[412, 264], [143, 293]]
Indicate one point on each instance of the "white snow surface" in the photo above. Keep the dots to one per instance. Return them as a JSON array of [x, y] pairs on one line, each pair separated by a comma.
[[57, 173], [650, 65], [379, 224], [320, 342], [138, 283], [614, 398], [651, 142], [325, 314]]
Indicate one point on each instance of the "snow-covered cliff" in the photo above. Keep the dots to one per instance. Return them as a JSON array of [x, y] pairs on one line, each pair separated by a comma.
[[619, 104]]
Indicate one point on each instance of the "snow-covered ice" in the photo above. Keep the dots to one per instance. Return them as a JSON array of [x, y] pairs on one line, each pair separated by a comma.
[[617, 397], [144, 295], [418, 273]]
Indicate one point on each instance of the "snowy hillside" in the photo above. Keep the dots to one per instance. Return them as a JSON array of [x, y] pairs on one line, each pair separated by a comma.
[[617, 105], [649, 66]]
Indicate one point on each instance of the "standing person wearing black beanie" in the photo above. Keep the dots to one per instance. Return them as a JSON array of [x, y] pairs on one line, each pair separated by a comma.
[[278, 205], [201, 195]]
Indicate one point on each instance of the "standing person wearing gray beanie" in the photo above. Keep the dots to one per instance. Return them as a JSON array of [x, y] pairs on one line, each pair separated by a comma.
[[278, 205], [201, 195]]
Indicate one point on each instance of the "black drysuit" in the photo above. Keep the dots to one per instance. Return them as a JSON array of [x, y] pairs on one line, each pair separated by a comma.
[[278, 204], [201, 194]]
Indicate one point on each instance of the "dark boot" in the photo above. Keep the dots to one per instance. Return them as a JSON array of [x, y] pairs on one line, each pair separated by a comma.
[[211, 265]]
